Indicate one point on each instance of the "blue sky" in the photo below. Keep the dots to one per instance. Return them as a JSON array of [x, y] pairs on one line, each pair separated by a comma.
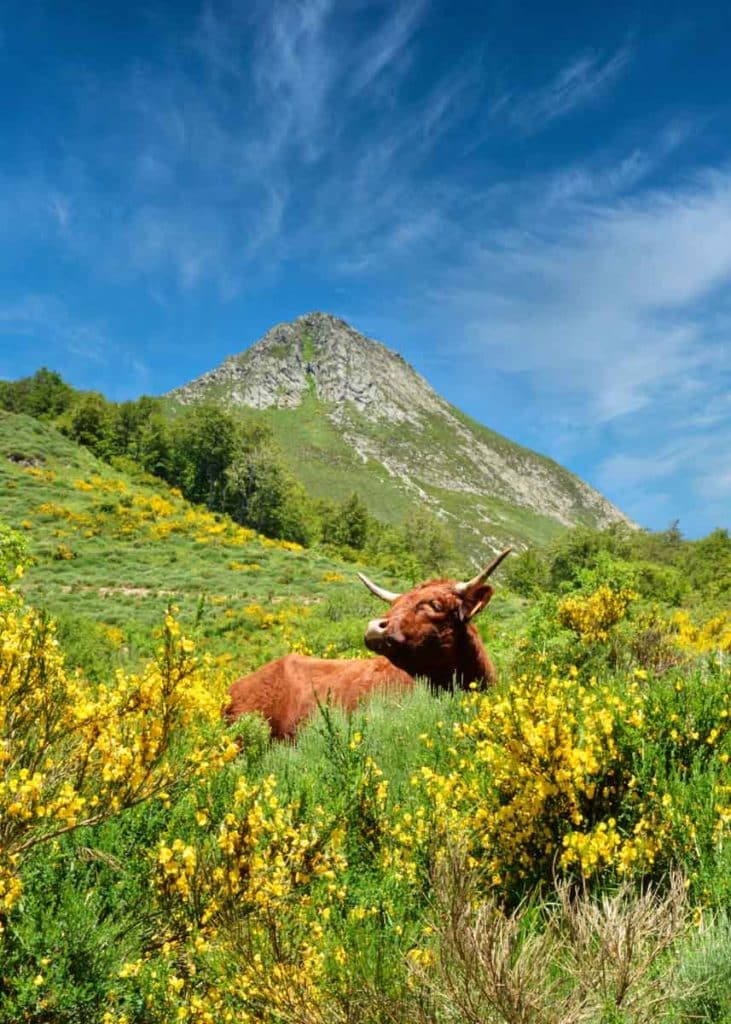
[[530, 201]]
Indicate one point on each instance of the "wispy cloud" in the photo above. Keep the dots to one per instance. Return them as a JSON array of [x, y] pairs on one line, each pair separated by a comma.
[[265, 162], [696, 461], [612, 314], [584, 79], [294, 72], [236, 152], [39, 329], [43, 316], [388, 45], [607, 175], [605, 307], [60, 208]]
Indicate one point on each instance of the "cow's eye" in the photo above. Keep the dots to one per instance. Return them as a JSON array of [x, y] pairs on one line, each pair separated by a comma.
[[436, 605]]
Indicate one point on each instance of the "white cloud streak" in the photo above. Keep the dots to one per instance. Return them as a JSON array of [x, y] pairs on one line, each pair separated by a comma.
[[604, 305], [615, 311], [43, 316], [84, 347], [580, 82], [388, 45], [264, 162]]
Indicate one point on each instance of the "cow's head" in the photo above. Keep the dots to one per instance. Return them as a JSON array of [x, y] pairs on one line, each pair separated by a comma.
[[427, 631]]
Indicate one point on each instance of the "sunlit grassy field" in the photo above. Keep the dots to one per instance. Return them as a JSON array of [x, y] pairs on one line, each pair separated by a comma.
[[115, 551]]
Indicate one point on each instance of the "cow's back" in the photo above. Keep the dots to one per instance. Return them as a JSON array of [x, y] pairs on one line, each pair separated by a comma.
[[288, 690]]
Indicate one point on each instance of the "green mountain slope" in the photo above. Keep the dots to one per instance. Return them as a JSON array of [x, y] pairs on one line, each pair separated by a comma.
[[112, 551], [351, 414]]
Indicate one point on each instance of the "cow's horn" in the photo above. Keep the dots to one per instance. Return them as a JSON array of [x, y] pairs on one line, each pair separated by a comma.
[[479, 579], [385, 595]]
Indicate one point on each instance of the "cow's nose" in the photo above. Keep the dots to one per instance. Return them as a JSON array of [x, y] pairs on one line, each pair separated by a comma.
[[376, 628]]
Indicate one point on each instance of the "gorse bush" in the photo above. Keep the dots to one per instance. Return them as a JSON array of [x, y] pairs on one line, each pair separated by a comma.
[[561, 774], [606, 626], [703, 638], [591, 617], [74, 754], [245, 912]]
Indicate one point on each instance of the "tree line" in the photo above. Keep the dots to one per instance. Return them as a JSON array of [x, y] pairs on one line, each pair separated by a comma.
[[231, 466], [660, 565]]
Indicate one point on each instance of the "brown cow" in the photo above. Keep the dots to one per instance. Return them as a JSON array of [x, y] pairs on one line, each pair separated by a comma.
[[426, 632]]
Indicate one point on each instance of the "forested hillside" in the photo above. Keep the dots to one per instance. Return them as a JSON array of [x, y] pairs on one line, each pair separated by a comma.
[[230, 466]]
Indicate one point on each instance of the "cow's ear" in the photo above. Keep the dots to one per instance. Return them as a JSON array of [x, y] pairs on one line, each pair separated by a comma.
[[473, 602]]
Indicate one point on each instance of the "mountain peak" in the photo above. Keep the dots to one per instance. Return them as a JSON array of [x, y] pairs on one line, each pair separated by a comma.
[[319, 355], [373, 424]]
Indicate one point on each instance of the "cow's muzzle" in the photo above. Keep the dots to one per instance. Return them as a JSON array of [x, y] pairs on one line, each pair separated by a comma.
[[379, 637], [376, 636]]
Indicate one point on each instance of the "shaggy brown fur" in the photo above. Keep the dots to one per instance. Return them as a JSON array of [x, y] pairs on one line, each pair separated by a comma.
[[426, 632]]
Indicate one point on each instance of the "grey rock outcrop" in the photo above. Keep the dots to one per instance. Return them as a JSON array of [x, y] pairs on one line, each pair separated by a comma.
[[322, 354]]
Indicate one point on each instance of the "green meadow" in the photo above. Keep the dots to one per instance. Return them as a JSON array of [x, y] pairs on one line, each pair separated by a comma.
[[553, 850]]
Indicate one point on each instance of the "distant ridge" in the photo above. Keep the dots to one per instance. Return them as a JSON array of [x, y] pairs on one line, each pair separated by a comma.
[[351, 414]]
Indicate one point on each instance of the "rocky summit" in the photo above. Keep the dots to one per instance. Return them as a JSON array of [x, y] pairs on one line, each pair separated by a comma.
[[351, 414], [321, 354]]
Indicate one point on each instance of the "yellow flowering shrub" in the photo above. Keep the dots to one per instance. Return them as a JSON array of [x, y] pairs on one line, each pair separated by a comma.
[[114, 634], [712, 635], [298, 645], [660, 641], [283, 545], [371, 799], [722, 809], [64, 553], [591, 616], [153, 515], [245, 912], [264, 857], [54, 511], [46, 476], [283, 616], [74, 754], [544, 778]]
